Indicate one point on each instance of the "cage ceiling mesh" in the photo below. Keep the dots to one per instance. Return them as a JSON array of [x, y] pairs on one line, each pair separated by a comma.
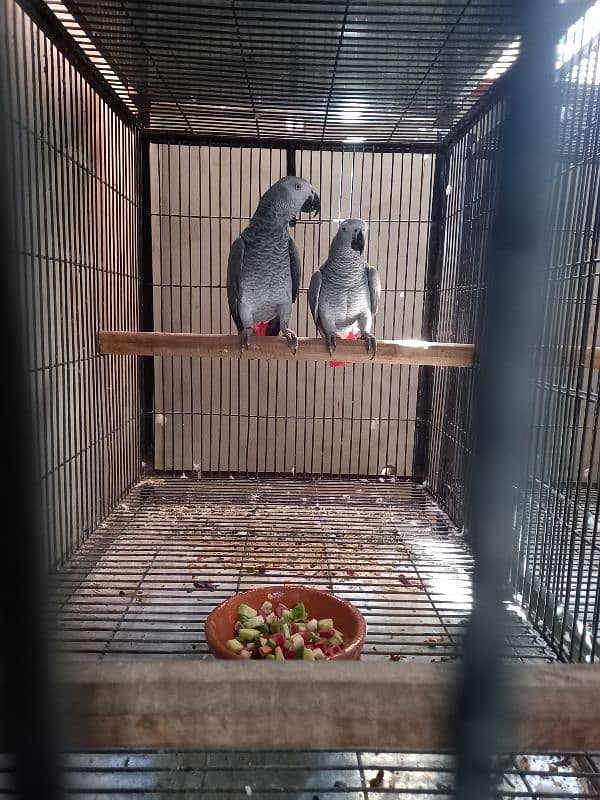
[[322, 70]]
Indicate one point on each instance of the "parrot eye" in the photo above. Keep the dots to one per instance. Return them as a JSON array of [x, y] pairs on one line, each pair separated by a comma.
[[297, 186], [343, 229]]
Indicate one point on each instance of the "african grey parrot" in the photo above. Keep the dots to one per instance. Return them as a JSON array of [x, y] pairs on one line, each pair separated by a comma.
[[345, 291], [264, 270]]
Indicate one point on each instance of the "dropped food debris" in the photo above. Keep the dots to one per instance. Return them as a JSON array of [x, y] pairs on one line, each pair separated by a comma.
[[565, 761], [340, 785], [208, 585], [523, 763], [248, 790], [432, 641], [122, 593], [377, 780], [397, 658], [553, 768]]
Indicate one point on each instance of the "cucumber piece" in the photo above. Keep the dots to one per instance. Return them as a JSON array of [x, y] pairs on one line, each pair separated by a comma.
[[262, 641], [337, 638], [308, 655], [235, 645], [324, 623], [286, 630], [299, 612], [312, 625], [271, 618], [245, 654], [270, 657], [267, 607], [300, 652], [297, 641], [314, 637], [301, 626], [246, 611], [279, 654], [318, 654], [254, 622], [248, 634], [272, 644]]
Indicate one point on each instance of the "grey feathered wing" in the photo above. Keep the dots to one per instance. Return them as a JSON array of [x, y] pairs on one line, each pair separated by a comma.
[[374, 288], [235, 265], [295, 268], [314, 289]]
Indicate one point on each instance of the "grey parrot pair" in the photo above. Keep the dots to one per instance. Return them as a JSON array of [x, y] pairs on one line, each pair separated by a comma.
[[264, 273]]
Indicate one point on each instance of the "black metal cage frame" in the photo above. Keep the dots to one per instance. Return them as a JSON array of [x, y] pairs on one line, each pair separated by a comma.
[[93, 106], [556, 559]]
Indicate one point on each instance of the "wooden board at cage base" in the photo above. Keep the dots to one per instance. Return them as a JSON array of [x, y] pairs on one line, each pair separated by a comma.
[[376, 706], [200, 345]]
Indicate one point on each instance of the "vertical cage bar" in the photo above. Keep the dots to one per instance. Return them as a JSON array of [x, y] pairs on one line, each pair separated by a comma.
[[504, 392], [435, 258], [146, 305]]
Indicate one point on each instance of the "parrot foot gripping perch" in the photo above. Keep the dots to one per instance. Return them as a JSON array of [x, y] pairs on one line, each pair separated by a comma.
[[292, 340], [371, 344]]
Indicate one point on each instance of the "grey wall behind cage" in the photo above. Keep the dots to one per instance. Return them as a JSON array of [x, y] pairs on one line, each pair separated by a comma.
[[214, 415]]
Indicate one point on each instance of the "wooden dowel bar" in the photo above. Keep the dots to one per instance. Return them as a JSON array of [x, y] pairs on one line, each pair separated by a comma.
[[203, 345], [275, 347], [374, 706]]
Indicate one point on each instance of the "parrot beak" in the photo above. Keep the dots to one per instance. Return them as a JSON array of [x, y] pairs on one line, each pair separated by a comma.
[[312, 204], [358, 242]]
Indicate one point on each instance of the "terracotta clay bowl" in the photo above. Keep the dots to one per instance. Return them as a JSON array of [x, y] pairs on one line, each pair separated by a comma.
[[322, 605]]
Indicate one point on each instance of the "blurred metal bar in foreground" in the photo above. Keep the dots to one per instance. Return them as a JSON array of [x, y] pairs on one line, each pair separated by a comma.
[[28, 731], [503, 401]]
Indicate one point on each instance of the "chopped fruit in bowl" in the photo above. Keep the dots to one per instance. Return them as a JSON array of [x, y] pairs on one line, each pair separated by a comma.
[[282, 623]]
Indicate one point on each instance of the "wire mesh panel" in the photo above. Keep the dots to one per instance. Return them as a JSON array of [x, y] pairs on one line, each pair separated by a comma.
[[176, 547], [304, 775], [75, 222], [323, 71], [280, 417], [468, 185], [556, 569]]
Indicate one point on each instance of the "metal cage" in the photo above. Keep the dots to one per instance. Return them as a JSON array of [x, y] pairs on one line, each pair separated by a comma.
[[141, 135]]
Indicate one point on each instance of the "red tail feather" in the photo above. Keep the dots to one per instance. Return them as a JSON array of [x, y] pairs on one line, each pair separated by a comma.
[[350, 335], [260, 329]]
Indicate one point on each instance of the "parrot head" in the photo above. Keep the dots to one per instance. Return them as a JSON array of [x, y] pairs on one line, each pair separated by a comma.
[[289, 196], [353, 233]]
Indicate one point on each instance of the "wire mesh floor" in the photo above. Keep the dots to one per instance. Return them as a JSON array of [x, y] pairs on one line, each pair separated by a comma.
[[145, 582], [154, 775]]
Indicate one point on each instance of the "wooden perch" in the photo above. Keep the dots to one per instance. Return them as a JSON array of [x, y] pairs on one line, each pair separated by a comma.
[[205, 345], [372, 706], [275, 347]]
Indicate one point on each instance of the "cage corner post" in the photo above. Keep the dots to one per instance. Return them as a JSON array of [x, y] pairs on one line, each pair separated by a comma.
[[146, 301], [435, 259]]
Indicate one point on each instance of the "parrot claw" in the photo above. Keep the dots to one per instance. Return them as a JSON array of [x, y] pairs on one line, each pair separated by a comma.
[[245, 341], [292, 340], [371, 344], [331, 343]]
